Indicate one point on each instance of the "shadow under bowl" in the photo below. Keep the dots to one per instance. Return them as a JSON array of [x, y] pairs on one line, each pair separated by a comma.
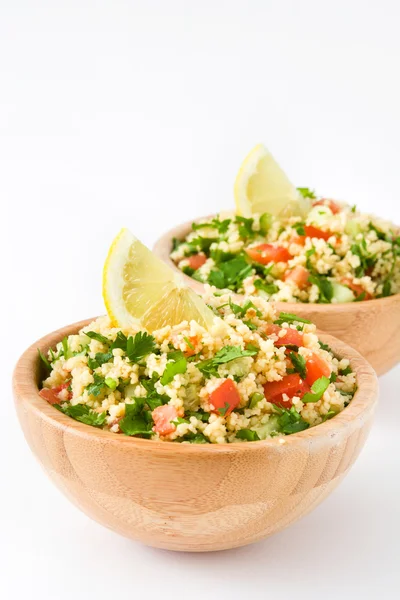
[[186, 496], [371, 327]]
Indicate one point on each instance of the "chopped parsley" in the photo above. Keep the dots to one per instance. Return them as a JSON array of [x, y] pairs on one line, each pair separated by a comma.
[[299, 364], [210, 366], [95, 388], [140, 346], [177, 365], [82, 413], [44, 359], [230, 273], [285, 317], [306, 192], [325, 287], [247, 434], [289, 420], [317, 390], [93, 335], [136, 421], [268, 288]]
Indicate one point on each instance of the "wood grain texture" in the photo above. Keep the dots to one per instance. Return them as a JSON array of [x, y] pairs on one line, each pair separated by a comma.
[[371, 327], [191, 497]]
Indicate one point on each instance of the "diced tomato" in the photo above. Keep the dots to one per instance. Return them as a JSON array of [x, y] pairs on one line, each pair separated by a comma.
[[314, 232], [299, 275], [316, 367], [52, 395], [335, 208], [225, 397], [292, 337], [196, 260], [266, 253], [356, 287], [193, 341], [162, 417], [291, 385]]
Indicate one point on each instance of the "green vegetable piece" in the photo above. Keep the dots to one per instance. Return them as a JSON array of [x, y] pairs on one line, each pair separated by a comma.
[[268, 288], [255, 398], [299, 364], [318, 388], [247, 434], [176, 367], [306, 192], [140, 346], [119, 342], [44, 359], [93, 335], [325, 287], [223, 409], [285, 317], [103, 357], [134, 422], [111, 383], [266, 221], [95, 388], [210, 367], [82, 413]]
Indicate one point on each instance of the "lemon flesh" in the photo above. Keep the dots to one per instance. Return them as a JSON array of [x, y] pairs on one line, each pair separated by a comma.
[[261, 186], [139, 289]]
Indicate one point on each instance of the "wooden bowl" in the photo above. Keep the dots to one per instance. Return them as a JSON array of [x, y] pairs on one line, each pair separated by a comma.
[[371, 327], [192, 497]]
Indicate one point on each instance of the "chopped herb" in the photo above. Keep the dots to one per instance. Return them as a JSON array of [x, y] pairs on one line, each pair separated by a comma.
[[95, 388], [245, 227], [255, 398], [222, 410], [289, 420], [179, 420], [268, 288], [119, 342], [345, 371], [333, 377], [175, 244], [103, 357], [266, 221], [66, 351], [285, 317], [178, 365], [44, 360], [353, 208], [299, 364], [306, 192], [240, 311], [230, 273], [325, 287], [221, 226], [360, 297], [300, 230], [324, 346], [92, 364], [210, 366], [317, 390], [188, 342], [248, 435], [140, 346], [250, 325], [111, 383], [252, 347], [387, 288], [93, 335], [202, 416], [134, 422], [82, 413], [188, 271]]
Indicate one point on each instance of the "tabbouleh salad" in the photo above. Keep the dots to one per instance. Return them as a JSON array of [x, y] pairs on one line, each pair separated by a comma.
[[254, 375], [334, 255]]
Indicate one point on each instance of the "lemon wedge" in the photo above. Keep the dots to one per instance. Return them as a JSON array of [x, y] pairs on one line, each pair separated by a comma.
[[261, 186], [139, 289]]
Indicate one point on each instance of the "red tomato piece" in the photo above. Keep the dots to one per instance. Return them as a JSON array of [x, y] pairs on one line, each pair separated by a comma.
[[299, 275], [162, 417], [335, 208], [291, 385], [316, 367], [292, 337], [356, 287], [266, 253], [314, 232], [52, 395], [225, 397], [196, 261]]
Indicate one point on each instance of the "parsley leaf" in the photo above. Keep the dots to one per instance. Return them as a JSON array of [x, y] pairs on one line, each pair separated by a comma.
[[285, 317], [324, 346], [95, 388], [134, 421], [266, 221], [44, 360], [318, 388], [299, 364], [325, 287], [93, 335], [140, 346], [346, 371], [210, 366], [177, 366], [306, 192], [221, 226], [245, 227], [82, 413], [247, 434], [289, 420], [268, 288], [119, 342], [230, 273], [222, 410]]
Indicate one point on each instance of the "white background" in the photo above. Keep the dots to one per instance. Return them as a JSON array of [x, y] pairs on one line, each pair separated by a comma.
[[138, 114]]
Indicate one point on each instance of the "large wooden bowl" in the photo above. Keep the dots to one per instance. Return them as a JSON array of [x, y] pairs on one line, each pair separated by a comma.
[[371, 327], [192, 497]]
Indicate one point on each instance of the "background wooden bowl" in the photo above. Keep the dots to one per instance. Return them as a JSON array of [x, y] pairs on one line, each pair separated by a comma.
[[192, 497], [371, 327]]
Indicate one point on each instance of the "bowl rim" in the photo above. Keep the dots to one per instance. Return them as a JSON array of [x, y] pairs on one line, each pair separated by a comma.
[[162, 248], [26, 391]]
